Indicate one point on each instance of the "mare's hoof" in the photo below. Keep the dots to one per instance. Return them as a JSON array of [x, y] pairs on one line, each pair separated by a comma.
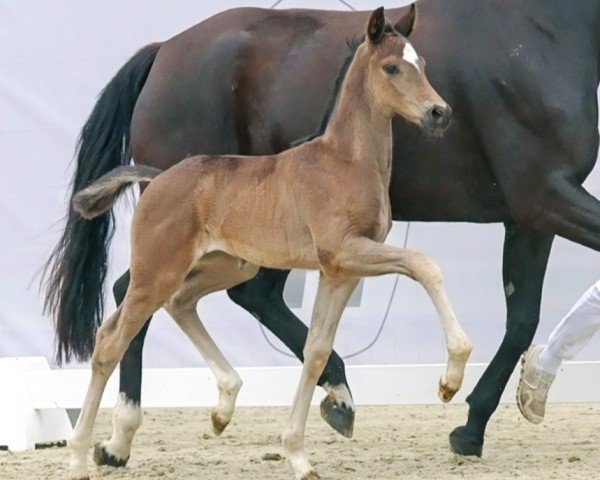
[[462, 445], [217, 423], [312, 475], [103, 457], [444, 392], [339, 417]]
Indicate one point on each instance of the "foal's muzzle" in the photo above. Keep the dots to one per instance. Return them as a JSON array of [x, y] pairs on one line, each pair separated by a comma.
[[437, 119]]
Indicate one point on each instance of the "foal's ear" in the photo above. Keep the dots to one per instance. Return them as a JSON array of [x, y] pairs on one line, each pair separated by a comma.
[[406, 24], [376, 27]]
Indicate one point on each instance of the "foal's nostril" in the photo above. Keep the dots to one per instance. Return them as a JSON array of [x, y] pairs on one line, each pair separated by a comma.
[[437, 118], [438, 113]]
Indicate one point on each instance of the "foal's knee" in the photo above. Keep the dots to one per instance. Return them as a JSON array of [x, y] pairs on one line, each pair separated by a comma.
[[104, 361], [426, 270], [315, 358]]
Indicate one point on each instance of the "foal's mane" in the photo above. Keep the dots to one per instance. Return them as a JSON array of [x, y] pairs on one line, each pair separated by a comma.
[[353, 44]]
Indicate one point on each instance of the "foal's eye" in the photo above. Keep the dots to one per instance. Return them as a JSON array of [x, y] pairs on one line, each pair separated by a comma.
[[391, 69]]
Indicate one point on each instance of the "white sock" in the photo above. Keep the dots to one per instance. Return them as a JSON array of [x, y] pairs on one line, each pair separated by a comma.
[[549, 361]]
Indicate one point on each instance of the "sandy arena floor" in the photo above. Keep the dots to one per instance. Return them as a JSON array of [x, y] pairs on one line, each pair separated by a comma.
[[389, 443]]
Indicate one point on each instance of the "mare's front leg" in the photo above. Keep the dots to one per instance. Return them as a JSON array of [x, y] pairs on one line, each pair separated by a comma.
[[127, 414], [365, 258], [525, 258], [332, 297], [262, 296], [540, 171]]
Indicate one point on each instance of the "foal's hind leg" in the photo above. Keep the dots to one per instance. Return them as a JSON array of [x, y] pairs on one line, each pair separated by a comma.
[[127, 413], [111, 341], [154, 279], [215, 271]]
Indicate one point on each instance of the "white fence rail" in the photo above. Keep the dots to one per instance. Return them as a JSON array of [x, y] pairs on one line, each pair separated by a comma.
[[34, 397]]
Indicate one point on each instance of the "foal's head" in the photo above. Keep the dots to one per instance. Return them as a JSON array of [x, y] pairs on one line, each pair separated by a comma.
[[396, 74]]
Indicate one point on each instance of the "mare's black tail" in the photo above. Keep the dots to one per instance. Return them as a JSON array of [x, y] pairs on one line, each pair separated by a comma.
[[75, 272]]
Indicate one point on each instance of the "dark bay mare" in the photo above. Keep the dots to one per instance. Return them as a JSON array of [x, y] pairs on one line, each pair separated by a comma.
[[522, 78]]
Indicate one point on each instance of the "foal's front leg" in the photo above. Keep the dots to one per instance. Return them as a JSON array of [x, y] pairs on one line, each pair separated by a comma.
[[229, 382], [332, 297], [262, 296], [363, 257]]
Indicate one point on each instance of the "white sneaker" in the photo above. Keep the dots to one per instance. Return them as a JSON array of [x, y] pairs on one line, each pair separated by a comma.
[[534, 384]]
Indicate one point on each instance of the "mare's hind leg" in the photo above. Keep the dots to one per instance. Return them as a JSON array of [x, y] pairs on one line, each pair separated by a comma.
[[127, 414], [216, 271], [262, 296]]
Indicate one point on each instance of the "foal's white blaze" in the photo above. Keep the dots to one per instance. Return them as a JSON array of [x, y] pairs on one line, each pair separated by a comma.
[[410, 55], [127, 418]]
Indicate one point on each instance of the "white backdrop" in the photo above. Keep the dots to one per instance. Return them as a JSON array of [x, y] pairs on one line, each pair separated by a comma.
[[56, 56]]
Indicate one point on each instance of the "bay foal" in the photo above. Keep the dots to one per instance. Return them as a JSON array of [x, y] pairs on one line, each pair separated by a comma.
[[323, 205]]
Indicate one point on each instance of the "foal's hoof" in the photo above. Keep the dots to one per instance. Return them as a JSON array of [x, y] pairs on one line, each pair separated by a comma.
[[462, 445], [312, 475], [103, 457], [218, 423], [444, 392], [339, 416]]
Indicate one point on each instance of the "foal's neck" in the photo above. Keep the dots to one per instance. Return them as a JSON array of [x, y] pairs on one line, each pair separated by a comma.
[[360, 129]]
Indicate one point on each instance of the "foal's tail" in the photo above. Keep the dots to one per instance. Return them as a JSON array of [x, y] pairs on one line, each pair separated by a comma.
[[99, 197], [75, 272]]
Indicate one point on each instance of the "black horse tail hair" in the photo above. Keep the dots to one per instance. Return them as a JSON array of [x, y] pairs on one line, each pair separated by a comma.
[[74, 275], [99, 197]]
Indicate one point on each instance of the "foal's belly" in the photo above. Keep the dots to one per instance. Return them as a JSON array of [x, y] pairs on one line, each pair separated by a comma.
[[268, 244], [272, 255]]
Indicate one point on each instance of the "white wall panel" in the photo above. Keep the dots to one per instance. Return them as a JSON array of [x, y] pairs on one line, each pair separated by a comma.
[[56, 56]]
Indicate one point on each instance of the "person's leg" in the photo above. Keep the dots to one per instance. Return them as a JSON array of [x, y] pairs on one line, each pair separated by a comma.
[[540, 363], [574, 331]]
